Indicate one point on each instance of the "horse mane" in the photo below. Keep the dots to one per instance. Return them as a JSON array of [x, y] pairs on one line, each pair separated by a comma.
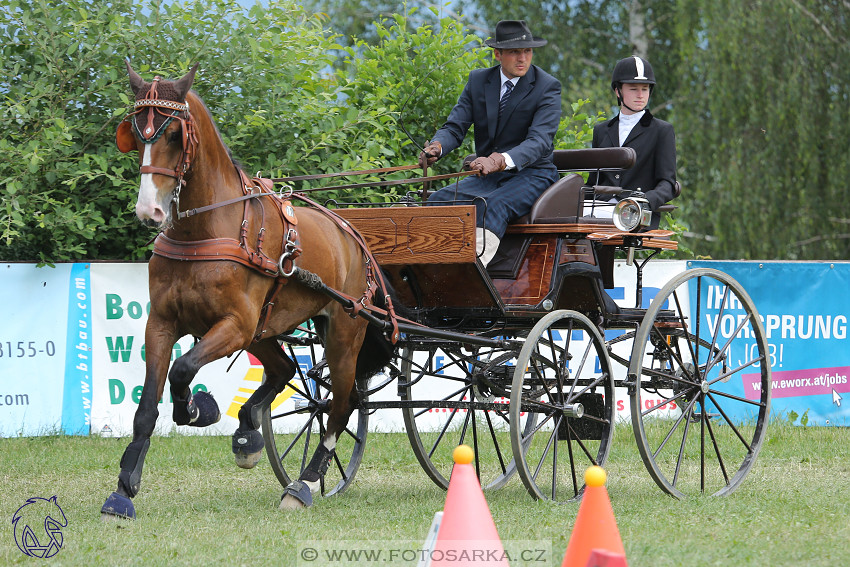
[[197, 101]]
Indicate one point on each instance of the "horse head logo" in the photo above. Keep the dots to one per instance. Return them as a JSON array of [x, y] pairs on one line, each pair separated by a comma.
[[38, 527]]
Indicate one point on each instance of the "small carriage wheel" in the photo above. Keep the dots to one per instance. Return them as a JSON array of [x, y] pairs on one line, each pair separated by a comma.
[[700, 410], [454, 394], [301, 410], [563, 379]]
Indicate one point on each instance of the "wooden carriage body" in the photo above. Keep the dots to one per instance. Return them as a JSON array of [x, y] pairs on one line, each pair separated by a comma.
[[553, 258]]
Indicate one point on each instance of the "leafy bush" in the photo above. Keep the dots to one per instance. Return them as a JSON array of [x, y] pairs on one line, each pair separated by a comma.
[[267, 74]]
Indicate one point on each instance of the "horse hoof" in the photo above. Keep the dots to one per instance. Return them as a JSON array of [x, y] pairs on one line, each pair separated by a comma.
[[248, 461], [118, 507], [291, 503], [296, 496], [208, 412], [247, 447]]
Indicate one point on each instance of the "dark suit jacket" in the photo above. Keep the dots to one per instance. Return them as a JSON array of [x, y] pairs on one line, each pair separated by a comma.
[[654, 172], [528, 124]]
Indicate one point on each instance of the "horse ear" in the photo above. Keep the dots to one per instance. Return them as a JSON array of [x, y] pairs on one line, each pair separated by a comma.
[[137, 83], [124, 138], [183, 85]]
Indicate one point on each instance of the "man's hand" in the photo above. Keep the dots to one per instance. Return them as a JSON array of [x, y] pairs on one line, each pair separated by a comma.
[[490, 164], [430, 154]]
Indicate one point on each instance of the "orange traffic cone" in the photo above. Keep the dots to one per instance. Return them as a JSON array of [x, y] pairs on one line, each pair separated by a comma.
[[603, 558], [595, 527], [467, 534]]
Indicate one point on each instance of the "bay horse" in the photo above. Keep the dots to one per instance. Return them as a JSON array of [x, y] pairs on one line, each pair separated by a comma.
[[220, 272]]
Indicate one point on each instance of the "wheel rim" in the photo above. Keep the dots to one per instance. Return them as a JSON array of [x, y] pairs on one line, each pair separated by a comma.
[[696, 429], [471, 408], [303, 417], [564, 362]]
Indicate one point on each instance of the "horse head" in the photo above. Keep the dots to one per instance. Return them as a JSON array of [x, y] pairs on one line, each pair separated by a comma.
[[162, 129]]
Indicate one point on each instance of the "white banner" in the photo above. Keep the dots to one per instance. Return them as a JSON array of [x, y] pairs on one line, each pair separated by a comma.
[[120, 308]]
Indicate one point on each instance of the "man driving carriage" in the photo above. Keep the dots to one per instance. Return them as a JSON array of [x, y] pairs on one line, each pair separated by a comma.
[[515, 108]]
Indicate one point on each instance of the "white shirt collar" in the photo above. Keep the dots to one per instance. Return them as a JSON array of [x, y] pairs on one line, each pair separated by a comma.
[[627, 122], [515, 80]]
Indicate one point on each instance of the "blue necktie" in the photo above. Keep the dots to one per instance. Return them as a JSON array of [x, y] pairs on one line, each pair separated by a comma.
[[509, 87]]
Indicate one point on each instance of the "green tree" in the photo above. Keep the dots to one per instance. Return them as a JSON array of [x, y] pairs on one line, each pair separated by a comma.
[[68, 193], [765, 127]]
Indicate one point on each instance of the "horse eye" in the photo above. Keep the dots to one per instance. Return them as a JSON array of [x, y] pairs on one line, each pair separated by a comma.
[[174, 137]]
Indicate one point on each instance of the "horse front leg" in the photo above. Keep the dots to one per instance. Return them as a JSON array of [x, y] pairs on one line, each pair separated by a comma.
[[279, 369], [200, 409], [159, 343]]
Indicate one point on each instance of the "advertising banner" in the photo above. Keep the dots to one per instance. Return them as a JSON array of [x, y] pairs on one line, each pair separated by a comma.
[[655, 275], [72, 348], [120, 312], [804, 307], [120, 308], [45, 350]]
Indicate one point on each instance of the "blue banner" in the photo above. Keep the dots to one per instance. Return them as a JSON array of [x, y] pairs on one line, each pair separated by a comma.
[[76, 402], [32, 348], [804, 307]]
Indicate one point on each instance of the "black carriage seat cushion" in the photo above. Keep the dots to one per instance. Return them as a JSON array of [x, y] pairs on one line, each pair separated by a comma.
[[561, 203]]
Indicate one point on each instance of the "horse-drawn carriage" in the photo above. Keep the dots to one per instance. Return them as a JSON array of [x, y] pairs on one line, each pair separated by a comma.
[[519, 346], [511, 359]]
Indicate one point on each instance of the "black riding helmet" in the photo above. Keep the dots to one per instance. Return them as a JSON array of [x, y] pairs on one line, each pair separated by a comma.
[[632, 70]]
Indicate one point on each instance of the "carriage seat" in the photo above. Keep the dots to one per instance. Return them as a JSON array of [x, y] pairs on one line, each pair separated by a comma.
[[563, 201]]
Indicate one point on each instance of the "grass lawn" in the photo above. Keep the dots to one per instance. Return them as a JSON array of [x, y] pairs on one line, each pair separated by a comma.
[[197, 508]]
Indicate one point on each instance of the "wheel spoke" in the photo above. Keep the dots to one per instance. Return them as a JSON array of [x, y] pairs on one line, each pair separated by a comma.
[[730, 423], [305, 427], [717, 450], [679, 459], [717, 357], [723, 376], [673, 429], [665, 401], [495, 440], [545, 452]]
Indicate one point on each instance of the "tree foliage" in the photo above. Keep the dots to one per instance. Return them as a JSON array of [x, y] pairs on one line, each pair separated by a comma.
[[756, 90], [267, 73], [764, 129]]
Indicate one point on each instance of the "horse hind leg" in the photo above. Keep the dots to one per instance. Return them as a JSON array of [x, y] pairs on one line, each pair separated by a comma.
[[279, 369], [341, 354], [299, 493]]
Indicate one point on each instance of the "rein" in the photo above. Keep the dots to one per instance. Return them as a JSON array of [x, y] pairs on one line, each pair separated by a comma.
[[378, 183]]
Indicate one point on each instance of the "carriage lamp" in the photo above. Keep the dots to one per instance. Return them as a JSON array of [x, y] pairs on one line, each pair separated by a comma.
[[632, 213]]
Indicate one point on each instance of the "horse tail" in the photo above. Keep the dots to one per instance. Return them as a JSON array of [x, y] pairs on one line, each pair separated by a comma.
[[377, 349]]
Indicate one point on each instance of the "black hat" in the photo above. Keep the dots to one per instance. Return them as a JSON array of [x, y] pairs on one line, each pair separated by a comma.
[[511, 34], [632, 70]]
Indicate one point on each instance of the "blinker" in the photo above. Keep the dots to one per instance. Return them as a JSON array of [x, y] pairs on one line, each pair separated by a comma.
[[124, 138]]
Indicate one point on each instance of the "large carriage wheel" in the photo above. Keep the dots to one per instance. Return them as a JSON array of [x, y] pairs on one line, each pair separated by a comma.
[[455, 394], [701, 408], [563, 384], [296, 423]]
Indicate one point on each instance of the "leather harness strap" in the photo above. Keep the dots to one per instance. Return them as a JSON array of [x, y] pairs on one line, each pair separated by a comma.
[[230, 249], [213, 249], [372, 282]]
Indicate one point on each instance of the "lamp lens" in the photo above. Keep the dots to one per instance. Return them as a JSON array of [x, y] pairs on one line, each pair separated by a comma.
[[627, 215]]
